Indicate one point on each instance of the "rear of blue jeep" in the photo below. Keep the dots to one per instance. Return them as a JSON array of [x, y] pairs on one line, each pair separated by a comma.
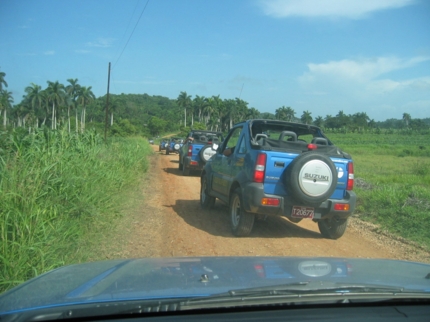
[[197, 150], [281, 169]]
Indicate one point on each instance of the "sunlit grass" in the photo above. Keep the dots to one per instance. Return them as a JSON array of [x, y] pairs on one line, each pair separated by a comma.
[[393, 182], [54, 189]]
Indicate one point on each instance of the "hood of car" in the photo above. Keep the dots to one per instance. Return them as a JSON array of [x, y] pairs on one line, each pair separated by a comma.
[[154, 278]]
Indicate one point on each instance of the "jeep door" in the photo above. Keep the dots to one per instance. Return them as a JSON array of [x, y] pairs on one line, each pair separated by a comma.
[[221, 164]]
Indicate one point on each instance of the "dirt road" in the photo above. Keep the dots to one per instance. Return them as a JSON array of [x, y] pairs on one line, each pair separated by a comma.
[[169, 222]]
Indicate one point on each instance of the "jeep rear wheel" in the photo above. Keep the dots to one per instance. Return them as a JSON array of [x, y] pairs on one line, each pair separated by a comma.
[[333, 228], [185, 170], [241, 221], [206, 201], [311, 178], [167, 150], [180, 163]]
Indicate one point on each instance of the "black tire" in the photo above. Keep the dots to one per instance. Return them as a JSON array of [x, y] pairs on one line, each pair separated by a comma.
[[333, 228], [206, 201], [202, 153], [295, 220], [303, 189], [180, 164], [159, 148], [241, 221], [185, 170], [167, 150]]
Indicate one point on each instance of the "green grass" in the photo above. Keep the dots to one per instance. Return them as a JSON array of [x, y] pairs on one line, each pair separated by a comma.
[[55, 189], [392, 181]]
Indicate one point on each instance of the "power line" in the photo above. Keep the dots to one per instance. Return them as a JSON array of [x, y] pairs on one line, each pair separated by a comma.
[[128, 25], [141, 14]]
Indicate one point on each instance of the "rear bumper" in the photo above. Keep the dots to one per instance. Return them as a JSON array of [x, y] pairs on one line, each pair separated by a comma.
[[193, 164], [253, 193]]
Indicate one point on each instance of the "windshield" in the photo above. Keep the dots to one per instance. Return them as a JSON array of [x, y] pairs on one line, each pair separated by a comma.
[[176, 133]]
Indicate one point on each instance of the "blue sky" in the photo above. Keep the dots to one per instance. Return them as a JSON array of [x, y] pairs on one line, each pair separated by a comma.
[[323, 56]]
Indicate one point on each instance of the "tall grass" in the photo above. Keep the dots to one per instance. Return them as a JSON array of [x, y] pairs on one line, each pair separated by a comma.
[[392, 181], [54, 187]]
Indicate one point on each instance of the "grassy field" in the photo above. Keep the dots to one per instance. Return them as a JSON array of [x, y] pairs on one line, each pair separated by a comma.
[[392, 174], [56, 190]]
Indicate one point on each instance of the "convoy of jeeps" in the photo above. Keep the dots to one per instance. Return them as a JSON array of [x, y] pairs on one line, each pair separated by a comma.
[[273, 168]]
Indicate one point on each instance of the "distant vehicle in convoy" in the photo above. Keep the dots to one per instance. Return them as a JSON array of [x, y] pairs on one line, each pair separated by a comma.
[[151, 141], [198, 149], [174, 145], [270, 167], [163, 144]]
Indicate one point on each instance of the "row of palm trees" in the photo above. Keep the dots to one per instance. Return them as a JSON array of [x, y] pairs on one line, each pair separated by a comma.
[[55, 100], [54, 104], [215, 113], [220, 115]]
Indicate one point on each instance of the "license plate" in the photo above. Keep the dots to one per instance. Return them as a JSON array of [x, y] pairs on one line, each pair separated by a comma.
[[302, 212]]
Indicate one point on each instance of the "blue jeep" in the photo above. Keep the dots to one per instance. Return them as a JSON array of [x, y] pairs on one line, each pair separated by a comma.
[[270, 167], [174, 145], [163, 144], [197, 150]]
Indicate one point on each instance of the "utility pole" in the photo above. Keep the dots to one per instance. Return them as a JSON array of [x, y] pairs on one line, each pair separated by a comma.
[[107, 102]]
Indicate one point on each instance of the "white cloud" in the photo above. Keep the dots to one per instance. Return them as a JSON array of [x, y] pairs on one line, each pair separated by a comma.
[[362, 70], [101, 42], [49, 52], [352, 9], [388, 85]]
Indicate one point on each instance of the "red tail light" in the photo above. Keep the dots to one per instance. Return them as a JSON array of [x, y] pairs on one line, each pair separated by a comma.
[[259, 269], [312, 146], [350, 182], [260, 168], [190, 151]]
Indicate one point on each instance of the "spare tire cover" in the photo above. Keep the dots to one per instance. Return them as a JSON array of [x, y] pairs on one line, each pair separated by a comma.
[[176, 146], [206, 153], [311, 178]]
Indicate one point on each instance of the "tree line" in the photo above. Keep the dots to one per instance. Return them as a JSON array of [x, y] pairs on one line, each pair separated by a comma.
[[75, 107]]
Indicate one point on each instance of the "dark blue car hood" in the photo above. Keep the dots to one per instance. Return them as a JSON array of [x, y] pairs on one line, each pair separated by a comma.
[[152, 278]]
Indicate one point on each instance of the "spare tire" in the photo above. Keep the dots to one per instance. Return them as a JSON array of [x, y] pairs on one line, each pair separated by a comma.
[[176, 146], [311, 178], [206, 153]]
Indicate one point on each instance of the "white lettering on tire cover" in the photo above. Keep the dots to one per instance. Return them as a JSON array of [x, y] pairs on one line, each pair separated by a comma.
[[315, 178]]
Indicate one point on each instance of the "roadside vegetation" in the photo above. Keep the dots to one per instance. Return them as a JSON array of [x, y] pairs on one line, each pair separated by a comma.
[[56, 190], [392, 181]]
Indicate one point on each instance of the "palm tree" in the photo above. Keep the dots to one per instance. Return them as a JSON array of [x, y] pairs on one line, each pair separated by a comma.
[[306, 117], [199, 103], [114, 104], [56, 95], [252, 113], [2, 81], [84, 98], [319, 121], [73, 91], [208, 109], [219, 111], [281, 113], [406, 118], [35, 95], [290, 113], [184, 101], [6, 100]]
